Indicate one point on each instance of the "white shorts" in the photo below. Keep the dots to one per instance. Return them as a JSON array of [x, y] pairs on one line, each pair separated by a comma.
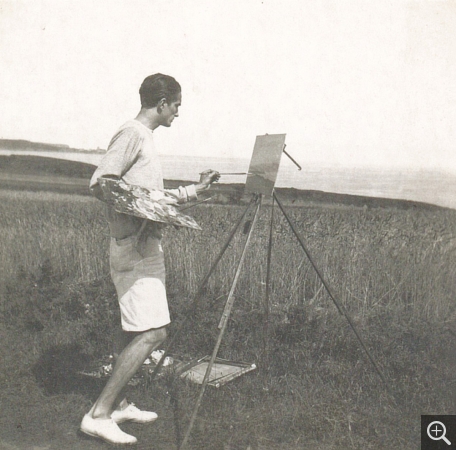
[[139, 278]]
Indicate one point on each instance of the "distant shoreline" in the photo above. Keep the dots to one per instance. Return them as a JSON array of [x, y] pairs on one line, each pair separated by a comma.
[[23, 172], [433, 187], [24, 145]]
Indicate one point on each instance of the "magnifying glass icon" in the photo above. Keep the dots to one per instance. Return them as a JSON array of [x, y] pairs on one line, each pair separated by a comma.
[[438, 432]]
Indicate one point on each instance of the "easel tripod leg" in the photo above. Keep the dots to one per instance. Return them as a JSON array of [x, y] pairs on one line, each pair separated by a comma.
[[268, 290], [223, 324], [198, 295], [174, 388], [340, 308]]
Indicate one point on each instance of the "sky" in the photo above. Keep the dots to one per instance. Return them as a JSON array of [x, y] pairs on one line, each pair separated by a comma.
[[351, 82]]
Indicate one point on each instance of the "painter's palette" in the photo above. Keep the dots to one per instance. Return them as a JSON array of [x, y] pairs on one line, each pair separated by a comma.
[[140, 202], [264, 164]]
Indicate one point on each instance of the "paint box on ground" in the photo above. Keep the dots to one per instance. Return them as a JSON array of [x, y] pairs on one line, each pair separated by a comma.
[[222, 371]]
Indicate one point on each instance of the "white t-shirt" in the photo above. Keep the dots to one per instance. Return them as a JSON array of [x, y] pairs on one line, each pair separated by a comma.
[[132, 156]]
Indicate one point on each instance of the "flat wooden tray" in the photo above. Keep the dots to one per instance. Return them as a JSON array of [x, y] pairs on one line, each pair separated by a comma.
[[222, 371]]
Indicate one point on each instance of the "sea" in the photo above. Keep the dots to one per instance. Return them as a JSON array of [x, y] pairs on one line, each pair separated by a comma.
[[421, 185]]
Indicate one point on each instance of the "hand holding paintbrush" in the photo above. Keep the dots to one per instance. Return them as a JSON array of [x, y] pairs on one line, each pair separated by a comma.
[[206, 179]]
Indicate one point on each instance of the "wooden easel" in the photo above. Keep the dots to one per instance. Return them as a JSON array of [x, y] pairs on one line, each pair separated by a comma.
[[261, 179]]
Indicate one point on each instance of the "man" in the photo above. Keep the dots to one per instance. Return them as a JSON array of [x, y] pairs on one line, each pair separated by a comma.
[[136, 256]]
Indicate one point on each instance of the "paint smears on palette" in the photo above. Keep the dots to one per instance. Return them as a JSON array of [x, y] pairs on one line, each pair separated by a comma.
[[264, 164], [140, 202]]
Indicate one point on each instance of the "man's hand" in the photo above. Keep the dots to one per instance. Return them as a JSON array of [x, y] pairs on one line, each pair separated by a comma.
[[168, 200], [206, 179]]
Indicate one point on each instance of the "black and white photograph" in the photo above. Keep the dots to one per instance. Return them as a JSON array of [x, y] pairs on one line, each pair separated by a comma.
[[228, 225]]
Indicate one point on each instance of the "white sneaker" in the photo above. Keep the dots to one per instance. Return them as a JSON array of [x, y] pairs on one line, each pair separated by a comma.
[[131, 412], [107, 430]]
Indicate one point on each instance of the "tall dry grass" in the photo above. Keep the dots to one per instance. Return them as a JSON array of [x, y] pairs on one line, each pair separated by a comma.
[[68, 232], [375, 260], [392, 269]]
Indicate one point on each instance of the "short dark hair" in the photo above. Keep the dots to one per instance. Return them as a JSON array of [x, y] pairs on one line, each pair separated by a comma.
[[158, 86]]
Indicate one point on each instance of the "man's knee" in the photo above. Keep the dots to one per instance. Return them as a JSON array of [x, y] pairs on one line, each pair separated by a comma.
[[154, 336]]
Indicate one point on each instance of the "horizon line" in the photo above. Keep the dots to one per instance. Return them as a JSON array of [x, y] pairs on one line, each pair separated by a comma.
[[64, 148]]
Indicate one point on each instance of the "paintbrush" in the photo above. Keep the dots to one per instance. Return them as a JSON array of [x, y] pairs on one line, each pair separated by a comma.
[[234, 173]]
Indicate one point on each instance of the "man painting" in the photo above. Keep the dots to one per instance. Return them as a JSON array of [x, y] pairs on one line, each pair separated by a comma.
[[136, 256]]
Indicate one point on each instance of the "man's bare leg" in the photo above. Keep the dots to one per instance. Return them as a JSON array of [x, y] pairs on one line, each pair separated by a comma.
[[127, 364], [121, 340]]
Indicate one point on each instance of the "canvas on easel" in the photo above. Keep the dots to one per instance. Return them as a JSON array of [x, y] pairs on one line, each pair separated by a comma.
[[264, 164]]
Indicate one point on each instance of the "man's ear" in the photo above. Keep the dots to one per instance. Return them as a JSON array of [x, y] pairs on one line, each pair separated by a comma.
[[161, 104]]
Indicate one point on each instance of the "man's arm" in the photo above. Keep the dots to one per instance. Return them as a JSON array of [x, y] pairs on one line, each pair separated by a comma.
[[120, 156], [96, 189], [191, 192]]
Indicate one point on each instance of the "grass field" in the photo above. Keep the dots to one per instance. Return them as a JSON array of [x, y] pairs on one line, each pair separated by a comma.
[[392, 269]]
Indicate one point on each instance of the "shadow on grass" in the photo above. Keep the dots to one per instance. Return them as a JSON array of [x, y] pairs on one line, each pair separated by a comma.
[[56, 372]]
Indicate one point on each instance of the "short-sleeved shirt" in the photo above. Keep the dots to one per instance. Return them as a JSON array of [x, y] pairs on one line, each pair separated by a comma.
[[132, 156]]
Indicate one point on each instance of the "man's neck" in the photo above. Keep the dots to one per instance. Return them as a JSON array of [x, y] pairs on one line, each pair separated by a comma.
[[148, 117]]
